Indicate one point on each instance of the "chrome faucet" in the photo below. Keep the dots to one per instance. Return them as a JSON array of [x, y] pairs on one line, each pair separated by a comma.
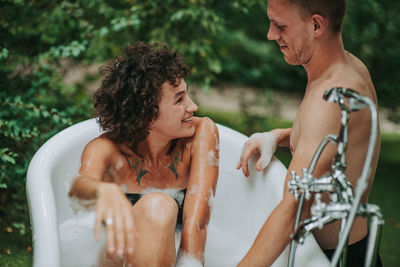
[[343, 203]]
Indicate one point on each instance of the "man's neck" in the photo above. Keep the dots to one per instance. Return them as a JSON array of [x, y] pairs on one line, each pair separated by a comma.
[[327, 53]]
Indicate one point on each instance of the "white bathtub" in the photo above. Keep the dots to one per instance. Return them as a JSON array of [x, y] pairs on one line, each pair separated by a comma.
[[241, 205]]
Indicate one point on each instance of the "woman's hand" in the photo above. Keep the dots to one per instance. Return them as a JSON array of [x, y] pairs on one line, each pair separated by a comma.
[[114, 210], [264, 144]]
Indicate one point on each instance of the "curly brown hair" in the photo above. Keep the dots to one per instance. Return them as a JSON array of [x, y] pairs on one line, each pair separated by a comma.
[[127, 101]]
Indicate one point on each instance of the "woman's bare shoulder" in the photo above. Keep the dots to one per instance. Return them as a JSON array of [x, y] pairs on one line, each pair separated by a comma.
[[204, 124], [101, 146], [206, 132]]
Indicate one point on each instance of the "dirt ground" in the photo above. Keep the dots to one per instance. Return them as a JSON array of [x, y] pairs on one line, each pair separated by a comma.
[[281, 105]]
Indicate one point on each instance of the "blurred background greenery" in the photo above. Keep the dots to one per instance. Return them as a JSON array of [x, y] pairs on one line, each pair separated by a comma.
[[224, 43]]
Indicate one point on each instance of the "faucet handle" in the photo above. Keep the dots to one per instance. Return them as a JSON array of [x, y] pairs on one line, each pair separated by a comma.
[[307, 193], [306, 183], [318, 208], [294, 175], [293, 184], [318, 199]]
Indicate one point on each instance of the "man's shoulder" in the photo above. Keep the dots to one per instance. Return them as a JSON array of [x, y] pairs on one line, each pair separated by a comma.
[[315, 112], [349, 73]]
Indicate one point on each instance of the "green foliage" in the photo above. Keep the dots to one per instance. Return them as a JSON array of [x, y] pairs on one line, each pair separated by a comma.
[[34, 103], [371, 32], [39, 37], [26, 121], [222, 41]]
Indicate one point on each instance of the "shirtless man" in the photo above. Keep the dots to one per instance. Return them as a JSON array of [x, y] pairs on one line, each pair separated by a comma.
[[308, 33], [153, 172]]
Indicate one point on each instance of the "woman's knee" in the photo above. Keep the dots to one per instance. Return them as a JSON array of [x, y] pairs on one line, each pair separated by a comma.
[[158, 209]]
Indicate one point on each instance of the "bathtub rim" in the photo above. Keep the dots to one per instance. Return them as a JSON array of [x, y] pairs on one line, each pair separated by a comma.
[[40, 192], [40, 195]]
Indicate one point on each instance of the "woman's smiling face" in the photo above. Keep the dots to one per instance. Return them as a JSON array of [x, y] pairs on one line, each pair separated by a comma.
[[175, 113]]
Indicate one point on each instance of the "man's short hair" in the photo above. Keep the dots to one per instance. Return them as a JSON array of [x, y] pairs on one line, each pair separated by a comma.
[[333, 10], [127, 101]]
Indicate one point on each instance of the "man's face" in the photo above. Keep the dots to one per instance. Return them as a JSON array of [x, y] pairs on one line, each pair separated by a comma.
[[176, 110], [290, 31]]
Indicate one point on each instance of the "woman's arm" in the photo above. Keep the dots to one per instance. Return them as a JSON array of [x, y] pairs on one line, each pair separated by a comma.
[[201, 188], [94, 163], [112, 207]]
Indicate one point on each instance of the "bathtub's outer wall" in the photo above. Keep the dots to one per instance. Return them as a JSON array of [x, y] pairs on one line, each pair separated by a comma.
[[44, 199], [241, 204]]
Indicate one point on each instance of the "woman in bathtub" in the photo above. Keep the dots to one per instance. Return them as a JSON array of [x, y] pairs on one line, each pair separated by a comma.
[[154, 170]]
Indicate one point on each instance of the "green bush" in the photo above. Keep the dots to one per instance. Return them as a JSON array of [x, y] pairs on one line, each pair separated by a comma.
[[38, 37], [370, 32], [223, 41], [34, 106]]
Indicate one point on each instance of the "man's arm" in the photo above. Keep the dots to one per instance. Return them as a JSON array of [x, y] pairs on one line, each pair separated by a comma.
[[283, 139], [274, 236], [264, 146]]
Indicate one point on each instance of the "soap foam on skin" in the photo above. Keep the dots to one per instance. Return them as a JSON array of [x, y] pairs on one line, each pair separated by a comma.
[[267, 142], [193, 190], [119, 164], [214, 131], [186, 260], [79, 205], [212, 159], [211, 200]]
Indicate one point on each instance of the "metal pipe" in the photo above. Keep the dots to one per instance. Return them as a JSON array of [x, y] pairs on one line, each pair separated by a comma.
[[373, 240], [344, 204], [327, 139], [344, 253], [293, 245], [363, 180]]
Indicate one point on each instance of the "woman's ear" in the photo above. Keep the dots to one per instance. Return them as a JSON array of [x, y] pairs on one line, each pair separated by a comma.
[[319, 24]]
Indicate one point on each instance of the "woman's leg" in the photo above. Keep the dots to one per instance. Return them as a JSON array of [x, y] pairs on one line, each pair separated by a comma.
[[155, 221]]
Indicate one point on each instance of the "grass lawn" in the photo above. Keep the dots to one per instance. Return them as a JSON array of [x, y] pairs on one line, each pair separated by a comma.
[[16, 249], [385, 193]]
